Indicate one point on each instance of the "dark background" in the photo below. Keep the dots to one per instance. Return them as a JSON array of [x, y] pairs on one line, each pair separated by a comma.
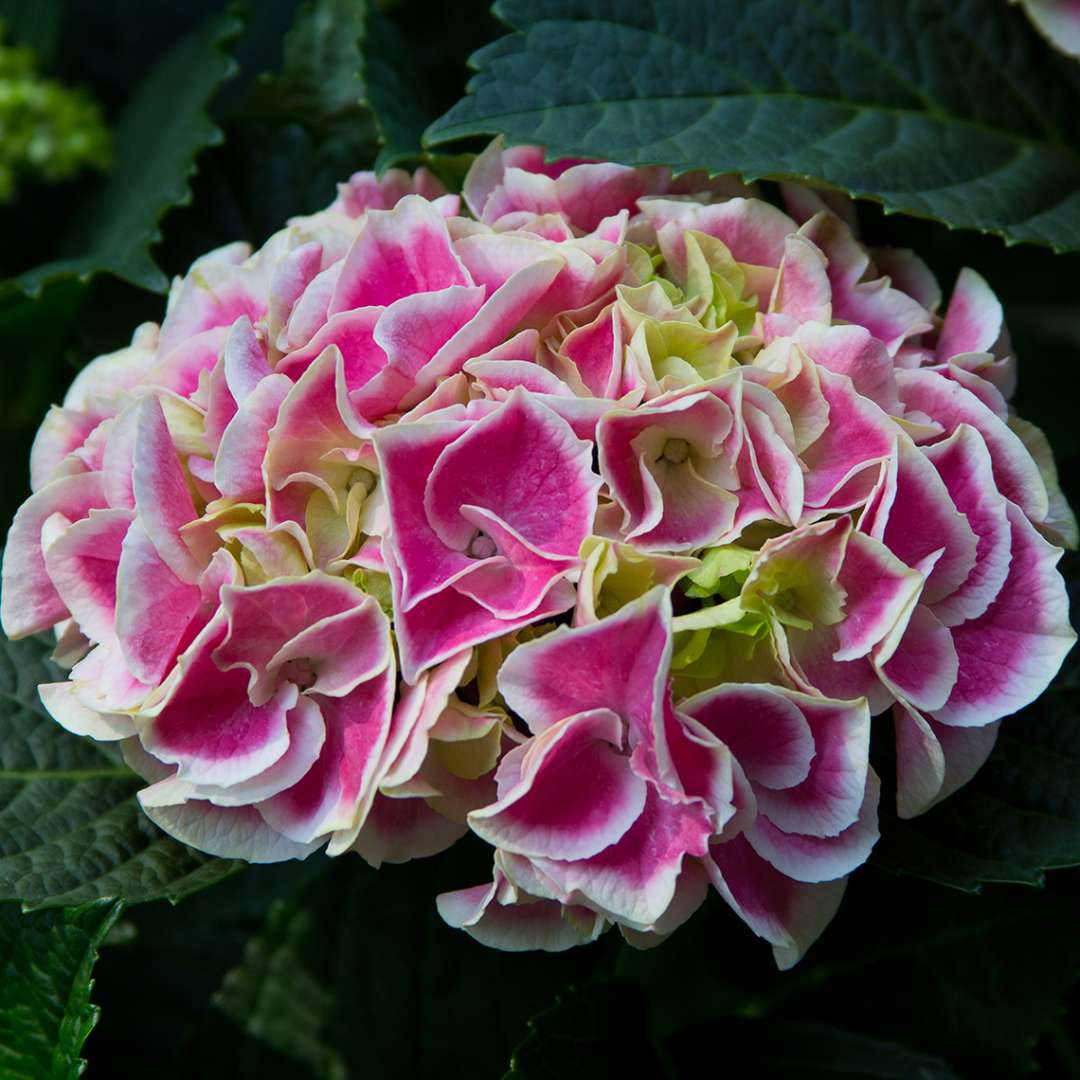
[[357, 966]]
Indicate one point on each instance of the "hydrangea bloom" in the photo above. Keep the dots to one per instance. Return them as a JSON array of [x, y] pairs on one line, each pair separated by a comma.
[[597, 517]]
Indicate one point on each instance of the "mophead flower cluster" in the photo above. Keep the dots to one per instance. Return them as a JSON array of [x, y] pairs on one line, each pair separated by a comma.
[[597, 521]]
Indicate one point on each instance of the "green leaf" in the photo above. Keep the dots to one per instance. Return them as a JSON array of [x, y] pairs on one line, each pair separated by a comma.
[[157, 139], [951, 109], [1018, 817], [358, 972], [45, 1011], [396, 92], [70, 828], [275, 998], [320, 85]]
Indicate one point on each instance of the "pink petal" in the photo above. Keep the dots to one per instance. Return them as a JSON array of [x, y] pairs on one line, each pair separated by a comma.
[[635, 879], [181, 368], [974, 319], [829, 800], [518, 578], [407, 456], [575, 794], [788, 914], [399, 830], [691, 759], [398, 252], [923, 667], [802, 287], [292, 275], [154, 608], [881, 592], [1009, 654], [307, 733], [244, 360], [589, 193], [62, 432], [217, 290], [310, 427], [526, 466], [208, 726], [312, 309], [909, 272], [1016, 474], [537, 924], [29, 601], [889, 314], [853, 351], [963, 462], [365, 191], [620, 663], [505, 375], [811, 665], [337, 629], [413, 329], [594, 353], [433, 629], [814, 859], [335, 794], [859, 435], [238, 464], [767, 451], [576, 279], [335, 654], [667, 505], [754, 231], [417, 712], [82, 564], [762, 726], [922, 520], [353, 332], [162, 498], [118, 459], [502, 313]]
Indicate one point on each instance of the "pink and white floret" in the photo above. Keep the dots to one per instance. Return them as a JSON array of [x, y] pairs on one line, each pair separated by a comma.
[[598, 516]]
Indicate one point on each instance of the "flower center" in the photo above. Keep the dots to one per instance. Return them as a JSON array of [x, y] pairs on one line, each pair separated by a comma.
[[481, 546], [676, 451], [365, 478], [301, 672]]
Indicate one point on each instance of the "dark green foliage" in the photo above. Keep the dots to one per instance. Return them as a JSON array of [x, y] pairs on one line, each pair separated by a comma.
[[230, 118], [950, 109], [45, 1010], [153, 163], [70, 829]]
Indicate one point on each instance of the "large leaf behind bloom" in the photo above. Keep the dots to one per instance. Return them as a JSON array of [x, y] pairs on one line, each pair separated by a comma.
[[916, 105]]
